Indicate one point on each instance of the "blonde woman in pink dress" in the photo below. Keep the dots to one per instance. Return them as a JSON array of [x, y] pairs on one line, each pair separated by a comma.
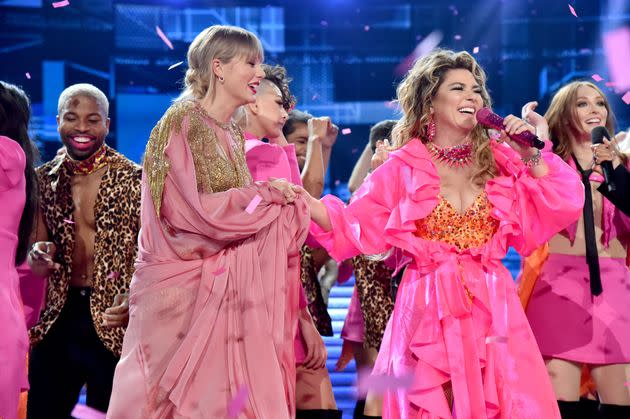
[[454, 201], [214, 300]]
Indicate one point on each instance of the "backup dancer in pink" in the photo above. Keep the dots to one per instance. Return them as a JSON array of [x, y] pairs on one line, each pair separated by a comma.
[[454, 201], [20, 295], [214, 300], [580, 304], [277, 159]]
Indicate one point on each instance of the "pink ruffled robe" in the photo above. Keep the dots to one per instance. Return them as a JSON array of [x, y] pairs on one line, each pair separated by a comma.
[[213, 302], [485, 349]]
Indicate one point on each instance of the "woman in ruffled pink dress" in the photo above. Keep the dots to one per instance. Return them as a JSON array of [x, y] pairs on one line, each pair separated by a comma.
[[454, 201]]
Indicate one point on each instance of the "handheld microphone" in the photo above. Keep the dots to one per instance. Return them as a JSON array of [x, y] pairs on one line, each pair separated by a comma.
[[597, 137], [489, 119]]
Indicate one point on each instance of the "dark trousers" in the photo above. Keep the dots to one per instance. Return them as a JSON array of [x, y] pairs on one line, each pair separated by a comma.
[[69, 356]]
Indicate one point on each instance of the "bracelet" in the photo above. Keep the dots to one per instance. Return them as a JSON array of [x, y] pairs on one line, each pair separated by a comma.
[[532, 161]]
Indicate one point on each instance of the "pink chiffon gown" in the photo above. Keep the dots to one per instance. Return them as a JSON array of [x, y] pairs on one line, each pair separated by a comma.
[[457, 322], [214, 300]]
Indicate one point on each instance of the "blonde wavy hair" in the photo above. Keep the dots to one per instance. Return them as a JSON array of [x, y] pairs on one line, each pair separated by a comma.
[[420, 86], [216, 42], [563, 119]]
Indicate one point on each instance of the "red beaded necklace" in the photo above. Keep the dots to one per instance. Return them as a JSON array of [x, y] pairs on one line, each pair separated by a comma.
[[459, 155]]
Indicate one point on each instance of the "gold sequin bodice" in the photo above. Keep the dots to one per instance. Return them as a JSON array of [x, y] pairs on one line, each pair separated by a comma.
[[474, 228]]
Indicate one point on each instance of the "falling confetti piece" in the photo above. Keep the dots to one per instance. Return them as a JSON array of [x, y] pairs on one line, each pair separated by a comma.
[[237, 404], [597, 77], [82, 411], [355, 150], [572, 11], [219, 271], [379, 384], [113, 275], [497, 339], [610, 84], [366, 28], [337, 182], [176, 65], [346, 131], [617, 50], [431, 41], [475, 50], [252, 205], [59, 4], [324, 23], [627, 384], [163, 37], [28, 75], [315, 96], [626, 98], [65, 220], [457, 37]]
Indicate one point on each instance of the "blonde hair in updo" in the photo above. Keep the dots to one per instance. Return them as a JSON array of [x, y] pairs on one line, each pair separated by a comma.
[[216, 42], [420, 86]]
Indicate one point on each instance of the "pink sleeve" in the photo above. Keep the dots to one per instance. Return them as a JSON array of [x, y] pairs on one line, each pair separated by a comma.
[[296, 178], [12, 161], [537, 208], [221, 216], [33, 292], [359, 227]]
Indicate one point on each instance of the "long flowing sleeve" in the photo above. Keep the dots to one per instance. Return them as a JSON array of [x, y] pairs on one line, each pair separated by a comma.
[[384, 210], [534, 208]]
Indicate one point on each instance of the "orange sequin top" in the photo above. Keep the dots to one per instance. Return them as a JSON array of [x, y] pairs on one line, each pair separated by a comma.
[[473, 228]]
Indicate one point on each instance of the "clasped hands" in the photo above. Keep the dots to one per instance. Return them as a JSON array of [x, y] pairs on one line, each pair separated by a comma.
[[288, 189]]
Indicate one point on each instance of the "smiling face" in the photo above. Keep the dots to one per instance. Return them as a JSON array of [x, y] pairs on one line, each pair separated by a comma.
[[82, 126], [590, 109], [267, 112], [299, 137], [242, 75], [456, 101]]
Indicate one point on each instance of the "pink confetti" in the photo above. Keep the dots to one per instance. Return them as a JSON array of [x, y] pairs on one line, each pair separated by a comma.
[[219, 271], [65, 220], [475, 50], [379, 384], [176, 65], [431, 41], [610, 84], [346, 131], [597, 77], [497, 339], [572, 11], [315, 96], [253, 204], [457, 37], [82, 411], [237, 404], [337, 182], [113, 275], [627, 384], [366, 28], [59, 4], [28, 75], [163, 37], [626, 98], [617, 51]]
